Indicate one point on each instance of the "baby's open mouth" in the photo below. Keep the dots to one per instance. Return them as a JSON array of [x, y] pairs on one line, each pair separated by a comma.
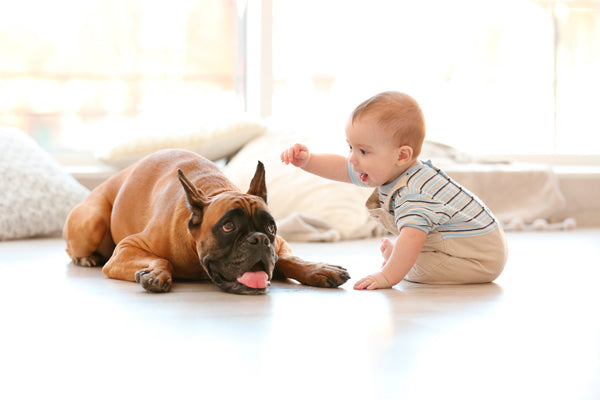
[[364, 177]]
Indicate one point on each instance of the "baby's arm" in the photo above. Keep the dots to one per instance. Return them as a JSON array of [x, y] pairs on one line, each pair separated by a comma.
[[330, 166], [406, 249]]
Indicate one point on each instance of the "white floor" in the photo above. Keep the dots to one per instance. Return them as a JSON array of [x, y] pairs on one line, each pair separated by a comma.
[[69, 332]]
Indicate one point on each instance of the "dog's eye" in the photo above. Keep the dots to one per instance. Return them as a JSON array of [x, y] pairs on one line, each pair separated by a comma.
[[228, 227], [272, 229]]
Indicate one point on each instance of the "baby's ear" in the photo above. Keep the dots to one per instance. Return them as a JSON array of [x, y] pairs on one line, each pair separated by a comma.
[[405, 154]]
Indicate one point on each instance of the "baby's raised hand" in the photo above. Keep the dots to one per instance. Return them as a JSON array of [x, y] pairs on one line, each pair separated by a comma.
[[298, 155]]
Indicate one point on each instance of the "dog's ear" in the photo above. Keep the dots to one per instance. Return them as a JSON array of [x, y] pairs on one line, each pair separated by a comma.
[[194, 199], [258, 186]]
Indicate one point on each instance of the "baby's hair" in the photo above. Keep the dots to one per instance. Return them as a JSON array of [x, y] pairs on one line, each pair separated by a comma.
[[399, 113]]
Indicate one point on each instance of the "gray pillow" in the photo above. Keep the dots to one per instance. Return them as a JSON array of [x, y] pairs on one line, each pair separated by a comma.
[[36, 195]]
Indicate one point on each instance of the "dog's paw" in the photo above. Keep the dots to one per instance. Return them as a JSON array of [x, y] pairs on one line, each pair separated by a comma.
[[327, 275], [154, 280], [94, 260]]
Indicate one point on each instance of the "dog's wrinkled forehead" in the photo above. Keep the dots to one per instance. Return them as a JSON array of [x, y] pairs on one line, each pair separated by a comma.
[[250, 204]]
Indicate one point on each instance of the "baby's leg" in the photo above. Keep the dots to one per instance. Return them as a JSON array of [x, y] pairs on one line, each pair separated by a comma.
[[478, 259], [386, 249]]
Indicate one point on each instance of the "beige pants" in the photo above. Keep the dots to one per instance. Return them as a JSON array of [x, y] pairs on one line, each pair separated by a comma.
[[476, 259]]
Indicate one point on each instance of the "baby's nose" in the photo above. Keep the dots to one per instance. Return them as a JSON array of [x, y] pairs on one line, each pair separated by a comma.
[[352, 159]]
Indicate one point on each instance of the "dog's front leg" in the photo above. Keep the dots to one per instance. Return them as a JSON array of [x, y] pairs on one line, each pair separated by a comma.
[[312, 273], [133, 263], [306, 272]]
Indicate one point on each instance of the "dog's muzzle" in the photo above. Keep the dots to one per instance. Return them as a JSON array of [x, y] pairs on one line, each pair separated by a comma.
[[253, 266]]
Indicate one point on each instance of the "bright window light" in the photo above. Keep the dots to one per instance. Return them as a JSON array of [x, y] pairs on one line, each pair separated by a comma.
[[493, 76], [69, 67]]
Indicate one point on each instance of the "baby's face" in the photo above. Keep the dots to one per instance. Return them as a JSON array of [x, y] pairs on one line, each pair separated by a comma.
[[373, 153]]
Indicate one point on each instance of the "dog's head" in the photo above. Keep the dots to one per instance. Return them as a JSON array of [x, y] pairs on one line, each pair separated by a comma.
[[234, 234]]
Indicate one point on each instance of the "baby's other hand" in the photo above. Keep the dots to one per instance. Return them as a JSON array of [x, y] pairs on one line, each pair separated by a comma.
[[298, 155]]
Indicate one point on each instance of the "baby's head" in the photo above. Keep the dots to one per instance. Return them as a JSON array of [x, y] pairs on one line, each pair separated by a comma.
[[399, 115]]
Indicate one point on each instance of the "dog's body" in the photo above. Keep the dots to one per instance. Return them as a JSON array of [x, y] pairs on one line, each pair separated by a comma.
[[146, 225]]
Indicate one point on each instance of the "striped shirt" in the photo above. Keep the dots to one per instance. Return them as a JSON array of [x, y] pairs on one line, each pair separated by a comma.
[[431, 200]]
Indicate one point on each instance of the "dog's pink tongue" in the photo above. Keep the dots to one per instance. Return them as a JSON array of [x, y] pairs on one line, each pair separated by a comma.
[[254, 280]]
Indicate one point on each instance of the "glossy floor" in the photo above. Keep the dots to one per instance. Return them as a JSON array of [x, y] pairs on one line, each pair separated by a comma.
[[533, 334]]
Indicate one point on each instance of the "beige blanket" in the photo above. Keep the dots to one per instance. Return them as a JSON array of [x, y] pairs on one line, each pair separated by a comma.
[[522, 196]]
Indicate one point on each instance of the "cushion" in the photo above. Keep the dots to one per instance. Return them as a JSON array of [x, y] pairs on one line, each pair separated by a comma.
[[36, 195], [213, 137]]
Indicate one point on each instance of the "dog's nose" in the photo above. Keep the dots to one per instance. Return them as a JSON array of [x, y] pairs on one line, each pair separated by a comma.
[[258, 239]]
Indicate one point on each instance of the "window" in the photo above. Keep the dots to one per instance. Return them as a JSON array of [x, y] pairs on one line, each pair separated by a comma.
[[493, 76], [70, 67]]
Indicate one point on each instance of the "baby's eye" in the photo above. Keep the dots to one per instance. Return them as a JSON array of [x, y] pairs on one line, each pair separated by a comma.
[[363, 152]]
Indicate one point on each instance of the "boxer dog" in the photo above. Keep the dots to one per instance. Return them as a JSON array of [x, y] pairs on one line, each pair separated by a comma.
[[174, 215]]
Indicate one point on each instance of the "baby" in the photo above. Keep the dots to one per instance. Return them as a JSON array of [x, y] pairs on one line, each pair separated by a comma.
[[445, 234]]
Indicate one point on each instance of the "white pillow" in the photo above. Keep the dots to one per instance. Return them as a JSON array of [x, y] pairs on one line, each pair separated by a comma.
[[36, 195], [214, 138], [297, 199]]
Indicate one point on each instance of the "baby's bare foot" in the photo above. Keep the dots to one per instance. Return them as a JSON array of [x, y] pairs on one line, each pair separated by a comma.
[[386, 249]]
